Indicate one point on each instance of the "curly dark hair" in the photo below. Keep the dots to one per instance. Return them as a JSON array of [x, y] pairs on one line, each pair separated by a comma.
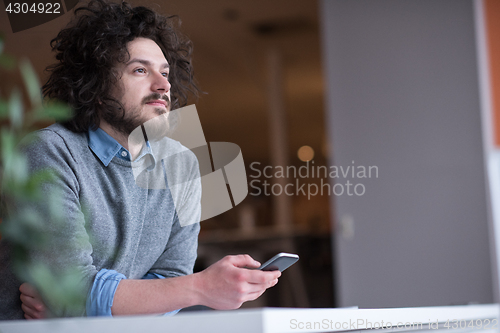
[[95, 41]]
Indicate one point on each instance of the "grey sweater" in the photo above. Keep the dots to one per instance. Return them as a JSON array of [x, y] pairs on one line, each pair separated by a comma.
[[125, 227]]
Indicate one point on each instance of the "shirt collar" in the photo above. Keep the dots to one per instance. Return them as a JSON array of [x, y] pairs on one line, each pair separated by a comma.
[[106, 147], [103, 145]]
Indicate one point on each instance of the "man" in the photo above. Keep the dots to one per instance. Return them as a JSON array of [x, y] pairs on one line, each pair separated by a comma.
[[118, 68]]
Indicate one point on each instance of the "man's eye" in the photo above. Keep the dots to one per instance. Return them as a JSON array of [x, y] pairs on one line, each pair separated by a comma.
[[140, 70], [165, 75]]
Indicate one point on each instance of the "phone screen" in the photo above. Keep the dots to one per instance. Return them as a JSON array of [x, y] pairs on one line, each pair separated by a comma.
[[280, 262]]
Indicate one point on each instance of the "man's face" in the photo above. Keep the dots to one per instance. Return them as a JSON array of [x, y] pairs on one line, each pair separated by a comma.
[[142, 87]]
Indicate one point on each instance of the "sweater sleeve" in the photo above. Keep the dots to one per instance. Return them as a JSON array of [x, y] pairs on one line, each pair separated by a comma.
[[60, 213], [102, 293]]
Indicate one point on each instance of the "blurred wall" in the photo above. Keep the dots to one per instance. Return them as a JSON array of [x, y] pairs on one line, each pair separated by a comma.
[[402, 95]]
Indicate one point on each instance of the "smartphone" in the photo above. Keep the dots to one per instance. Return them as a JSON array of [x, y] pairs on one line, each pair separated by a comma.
[[280, 262]]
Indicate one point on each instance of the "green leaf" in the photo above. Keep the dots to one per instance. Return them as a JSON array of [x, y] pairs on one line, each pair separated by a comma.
[[15, 167], [16, 170], [16, 109], [38, 178], [25, 230], [7, 62], [4, 109], [8, 144], [63, 291], [31, 82], [56, 111]]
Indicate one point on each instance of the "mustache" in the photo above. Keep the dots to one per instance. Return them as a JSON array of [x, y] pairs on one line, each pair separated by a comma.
[[157, 96]]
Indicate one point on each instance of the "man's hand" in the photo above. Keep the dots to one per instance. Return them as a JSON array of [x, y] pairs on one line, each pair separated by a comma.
[[224, 285], [227, 284], [32, 303]]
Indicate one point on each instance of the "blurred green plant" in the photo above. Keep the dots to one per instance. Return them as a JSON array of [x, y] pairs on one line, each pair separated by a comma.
[[25, 229]]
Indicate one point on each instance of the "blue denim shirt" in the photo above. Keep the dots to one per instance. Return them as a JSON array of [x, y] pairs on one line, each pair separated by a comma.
[[101, 295]]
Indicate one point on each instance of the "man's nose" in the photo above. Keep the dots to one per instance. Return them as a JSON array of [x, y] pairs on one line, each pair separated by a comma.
[[160, 83]]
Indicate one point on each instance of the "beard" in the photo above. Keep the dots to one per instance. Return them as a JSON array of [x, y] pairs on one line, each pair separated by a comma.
[[129, 120]]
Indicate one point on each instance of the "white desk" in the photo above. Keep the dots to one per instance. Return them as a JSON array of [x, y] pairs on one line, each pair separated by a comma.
[[276, 320]]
